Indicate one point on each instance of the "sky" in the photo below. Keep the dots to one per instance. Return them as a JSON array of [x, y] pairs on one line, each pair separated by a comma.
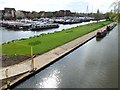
[[55, 5]]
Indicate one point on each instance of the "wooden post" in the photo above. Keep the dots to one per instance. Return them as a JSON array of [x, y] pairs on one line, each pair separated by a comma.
[[6, 73], [8, 82], [33, 64], [31, 51], [15, 48]]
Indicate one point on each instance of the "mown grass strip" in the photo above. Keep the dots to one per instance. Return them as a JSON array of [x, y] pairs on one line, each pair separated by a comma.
[[46, 42]]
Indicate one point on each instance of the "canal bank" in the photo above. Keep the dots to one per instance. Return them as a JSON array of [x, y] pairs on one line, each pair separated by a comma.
[[43, 61], [92, 65]]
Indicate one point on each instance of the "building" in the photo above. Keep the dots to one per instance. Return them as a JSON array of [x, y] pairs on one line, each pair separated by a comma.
[[67, 13], [1, 14], [9, 13]]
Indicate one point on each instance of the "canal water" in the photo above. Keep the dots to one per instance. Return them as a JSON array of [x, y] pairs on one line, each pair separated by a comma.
[[93, 65], [8, 35]]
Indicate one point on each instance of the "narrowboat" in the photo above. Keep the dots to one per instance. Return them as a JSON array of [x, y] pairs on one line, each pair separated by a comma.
[[101, 33]]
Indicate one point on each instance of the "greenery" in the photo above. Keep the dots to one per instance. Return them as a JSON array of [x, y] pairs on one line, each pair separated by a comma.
[[35, 14], [46, 42], [98, 15], [114, 15], [116, 6], [19, 14]]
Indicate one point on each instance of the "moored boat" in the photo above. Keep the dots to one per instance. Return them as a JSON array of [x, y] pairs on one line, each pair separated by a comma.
[[110, 27], [44, 26], [101, 33]]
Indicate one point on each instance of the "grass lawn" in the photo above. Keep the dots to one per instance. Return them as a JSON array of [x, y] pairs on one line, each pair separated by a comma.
[[45, 42]]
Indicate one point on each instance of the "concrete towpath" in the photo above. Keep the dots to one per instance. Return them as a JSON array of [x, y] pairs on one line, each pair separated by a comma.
[[42, 60]]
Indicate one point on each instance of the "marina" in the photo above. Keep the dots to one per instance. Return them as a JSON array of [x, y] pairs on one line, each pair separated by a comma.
[[30, 25], [72, 20], [19, 34], [42, 23]]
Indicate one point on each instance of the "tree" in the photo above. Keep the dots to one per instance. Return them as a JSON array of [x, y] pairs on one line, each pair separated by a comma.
[[35, 14], [98, 15], [112, 16], [19, 14], [49, 14], [116, 13]]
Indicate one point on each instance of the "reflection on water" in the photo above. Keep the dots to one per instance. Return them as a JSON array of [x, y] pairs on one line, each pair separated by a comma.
[[93, 65], [52, 80], [99, 39], [8, 35]]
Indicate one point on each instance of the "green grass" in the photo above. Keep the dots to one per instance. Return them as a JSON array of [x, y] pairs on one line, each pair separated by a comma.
[[46, 42]]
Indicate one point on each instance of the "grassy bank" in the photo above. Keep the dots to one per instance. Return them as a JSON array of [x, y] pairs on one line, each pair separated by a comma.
[[46, 42]]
